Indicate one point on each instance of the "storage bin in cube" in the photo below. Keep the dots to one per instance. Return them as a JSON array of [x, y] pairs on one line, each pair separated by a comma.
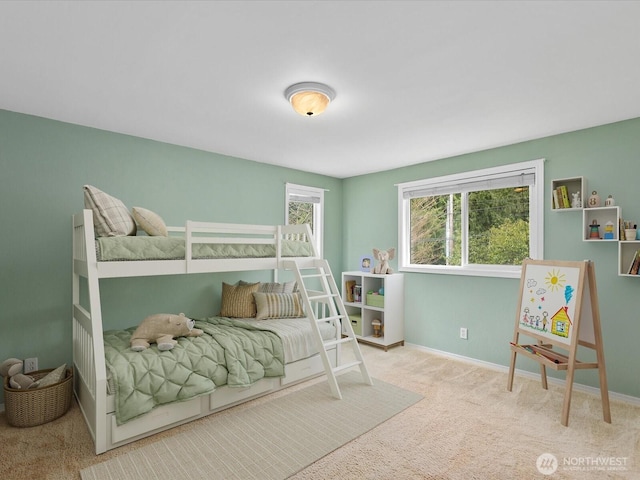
[[356, 324], [374, 300]]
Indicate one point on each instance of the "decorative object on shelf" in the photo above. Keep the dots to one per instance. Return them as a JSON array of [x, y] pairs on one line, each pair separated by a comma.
[[365, 263], [576, 201], [349, 285], [383, 257], [377, 328], [637, 235], [609, 201], [630, 233], [608, 231], [357, 293], [594, 200], [594, 232]]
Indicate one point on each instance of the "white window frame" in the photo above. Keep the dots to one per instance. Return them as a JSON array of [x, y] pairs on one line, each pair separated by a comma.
[[536, 219], [315, 196]]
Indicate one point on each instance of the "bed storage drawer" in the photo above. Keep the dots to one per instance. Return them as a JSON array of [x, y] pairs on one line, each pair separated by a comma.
[[225, 396], [157, 418], [302, 369]]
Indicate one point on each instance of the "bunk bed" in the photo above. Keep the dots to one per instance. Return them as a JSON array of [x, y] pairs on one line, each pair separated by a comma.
[[198, 247]]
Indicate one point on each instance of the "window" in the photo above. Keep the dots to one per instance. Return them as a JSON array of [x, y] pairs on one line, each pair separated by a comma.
[[306, 205], [484, 222]]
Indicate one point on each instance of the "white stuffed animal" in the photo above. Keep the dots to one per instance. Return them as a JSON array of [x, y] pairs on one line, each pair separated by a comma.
[[382, 257], [161, 328]]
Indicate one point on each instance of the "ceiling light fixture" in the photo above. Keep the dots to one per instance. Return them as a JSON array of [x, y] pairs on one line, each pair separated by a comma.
[[309, 98]]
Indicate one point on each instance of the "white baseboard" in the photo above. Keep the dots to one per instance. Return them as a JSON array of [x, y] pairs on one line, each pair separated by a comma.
[[501, 368]]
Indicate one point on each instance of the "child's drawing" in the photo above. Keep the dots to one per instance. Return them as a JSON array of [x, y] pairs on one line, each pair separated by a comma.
[[548, 302]]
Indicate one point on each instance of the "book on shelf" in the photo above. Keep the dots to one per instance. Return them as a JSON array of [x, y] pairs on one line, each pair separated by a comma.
[[565, 196], [635, 263], [357, 293], [349, 285], [556, 203], [633, 259]]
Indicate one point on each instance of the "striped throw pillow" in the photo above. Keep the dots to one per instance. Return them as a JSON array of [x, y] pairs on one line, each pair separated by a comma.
[[278, 305]]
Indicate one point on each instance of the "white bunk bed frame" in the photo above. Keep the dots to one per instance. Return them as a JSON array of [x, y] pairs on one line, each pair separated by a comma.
[[90, 375]]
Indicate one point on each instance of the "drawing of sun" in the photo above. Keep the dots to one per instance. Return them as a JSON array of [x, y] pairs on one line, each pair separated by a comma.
[[555, 280]]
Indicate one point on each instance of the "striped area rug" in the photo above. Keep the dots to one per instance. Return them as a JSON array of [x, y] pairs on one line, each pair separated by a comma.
[[270, 440]]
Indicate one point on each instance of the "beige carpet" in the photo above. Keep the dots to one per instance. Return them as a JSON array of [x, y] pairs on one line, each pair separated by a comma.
[[467, 427], [269, 441]]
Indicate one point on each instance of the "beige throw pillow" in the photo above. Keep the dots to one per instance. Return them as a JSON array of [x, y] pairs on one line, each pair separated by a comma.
[[288, 287], [237, 300], [150, 222], [52, 377], [111, 218]]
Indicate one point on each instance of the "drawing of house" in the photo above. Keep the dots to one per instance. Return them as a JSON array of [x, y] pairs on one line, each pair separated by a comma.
[[560, 323]]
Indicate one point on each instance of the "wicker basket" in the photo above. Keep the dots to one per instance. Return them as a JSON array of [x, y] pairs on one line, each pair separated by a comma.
[[31, 407]]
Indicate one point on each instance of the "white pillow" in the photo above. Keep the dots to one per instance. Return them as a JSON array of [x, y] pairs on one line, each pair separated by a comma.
[[111, 218], [150, 222]]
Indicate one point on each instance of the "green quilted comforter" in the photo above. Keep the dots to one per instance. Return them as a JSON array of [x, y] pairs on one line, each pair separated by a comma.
[[230, 352], [172, 248]]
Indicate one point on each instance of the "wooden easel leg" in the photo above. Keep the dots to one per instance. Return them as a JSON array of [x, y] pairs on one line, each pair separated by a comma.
[[602, 373], [604, 390], [567, 394], [512, 367], [606, 410], [543, 376]]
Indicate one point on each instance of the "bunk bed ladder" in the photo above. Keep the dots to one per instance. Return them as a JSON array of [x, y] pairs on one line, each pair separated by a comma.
[[328, 295]]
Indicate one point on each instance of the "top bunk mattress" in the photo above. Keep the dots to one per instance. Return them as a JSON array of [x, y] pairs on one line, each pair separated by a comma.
[[135, 248]]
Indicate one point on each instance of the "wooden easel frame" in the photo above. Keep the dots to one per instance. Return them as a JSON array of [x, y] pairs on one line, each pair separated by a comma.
[[542, 351]]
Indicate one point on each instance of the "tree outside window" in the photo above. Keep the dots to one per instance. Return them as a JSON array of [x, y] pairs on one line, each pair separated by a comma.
[[305, 205], [479, 223]]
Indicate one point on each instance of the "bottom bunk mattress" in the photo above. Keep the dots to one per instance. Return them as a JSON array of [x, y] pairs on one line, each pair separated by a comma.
[[232, 352]]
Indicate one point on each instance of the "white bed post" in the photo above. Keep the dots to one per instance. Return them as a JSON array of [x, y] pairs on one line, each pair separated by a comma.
[[88, 346]]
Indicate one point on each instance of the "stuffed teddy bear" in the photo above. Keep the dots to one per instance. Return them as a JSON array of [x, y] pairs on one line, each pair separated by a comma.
[[11, 367], [383, 257], [160, 329], [21, 381]]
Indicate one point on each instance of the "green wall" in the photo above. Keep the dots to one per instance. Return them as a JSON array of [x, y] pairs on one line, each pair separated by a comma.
[[44, 163], [438, 305], [43, 166]]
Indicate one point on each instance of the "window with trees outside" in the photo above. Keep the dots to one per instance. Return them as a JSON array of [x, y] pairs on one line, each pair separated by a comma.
[[306, 205], [484, 222]]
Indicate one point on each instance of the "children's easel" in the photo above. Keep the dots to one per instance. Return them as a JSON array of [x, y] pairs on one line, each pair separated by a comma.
[[559, 308]]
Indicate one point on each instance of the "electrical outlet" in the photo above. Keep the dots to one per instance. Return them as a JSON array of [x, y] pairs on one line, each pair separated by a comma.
[[463, 333], [30, 364]]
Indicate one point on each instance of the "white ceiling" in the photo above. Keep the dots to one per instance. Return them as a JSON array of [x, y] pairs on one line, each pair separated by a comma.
[[415, 81]]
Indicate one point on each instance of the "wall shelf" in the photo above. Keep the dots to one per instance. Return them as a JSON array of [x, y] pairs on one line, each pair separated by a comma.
[[601, 216], [573, 185], [627, 251]]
